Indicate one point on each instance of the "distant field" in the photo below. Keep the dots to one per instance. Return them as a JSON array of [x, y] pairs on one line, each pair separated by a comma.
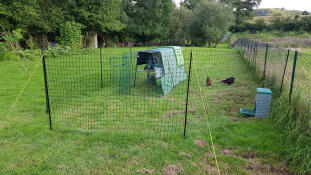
[[290, 40]]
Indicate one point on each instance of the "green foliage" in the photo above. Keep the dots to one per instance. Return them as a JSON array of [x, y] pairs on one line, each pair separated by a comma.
[[243, 8], [31, 43], [210, 21], [278, 22], [5, 54], [15, 37], [305, 13], [32, 54], [149, 19], [8, 49], [189, 4], [179, 34], [70, 35], [98, 15]]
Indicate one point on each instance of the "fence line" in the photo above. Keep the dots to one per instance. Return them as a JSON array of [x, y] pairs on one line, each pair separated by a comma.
[[270, 62], [288, 73]]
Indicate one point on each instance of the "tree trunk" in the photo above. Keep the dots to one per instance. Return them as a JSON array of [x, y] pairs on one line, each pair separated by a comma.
[[93, 40], [44, 41], [216, 43], [85, 40], [209, 43]]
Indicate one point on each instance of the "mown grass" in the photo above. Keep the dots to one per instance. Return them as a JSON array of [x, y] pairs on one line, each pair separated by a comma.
[[243, 145]]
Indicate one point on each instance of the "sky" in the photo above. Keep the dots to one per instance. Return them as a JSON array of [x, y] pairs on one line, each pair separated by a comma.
[[287, 4]]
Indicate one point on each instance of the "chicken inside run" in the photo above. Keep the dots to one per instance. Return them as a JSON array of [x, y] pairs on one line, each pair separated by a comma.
[[227, 81]]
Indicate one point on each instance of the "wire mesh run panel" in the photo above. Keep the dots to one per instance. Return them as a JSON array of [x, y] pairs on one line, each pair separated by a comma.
[[168, 65], [102, 91]]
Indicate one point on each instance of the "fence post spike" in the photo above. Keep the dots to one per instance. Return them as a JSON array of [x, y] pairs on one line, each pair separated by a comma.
[[265, 65], [187, 98], [293, 77], [101, 68], [48, 110], [284, 72]]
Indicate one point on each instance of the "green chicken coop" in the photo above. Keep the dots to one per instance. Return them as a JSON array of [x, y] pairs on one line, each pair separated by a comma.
[[164, 65]]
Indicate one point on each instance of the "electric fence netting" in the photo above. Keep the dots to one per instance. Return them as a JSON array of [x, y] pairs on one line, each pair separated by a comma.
[[150, 92], [110, 92]]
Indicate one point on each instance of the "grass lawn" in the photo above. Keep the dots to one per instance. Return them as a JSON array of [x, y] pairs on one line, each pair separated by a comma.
[[142, 129]]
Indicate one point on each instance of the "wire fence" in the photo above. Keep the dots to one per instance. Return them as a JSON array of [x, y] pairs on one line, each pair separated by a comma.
[[287, 72], [120, 91]]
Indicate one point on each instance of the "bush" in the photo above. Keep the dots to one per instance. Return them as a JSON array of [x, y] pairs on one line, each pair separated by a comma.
[[58, 51], [70, 35], [6, 54], [32, 54]]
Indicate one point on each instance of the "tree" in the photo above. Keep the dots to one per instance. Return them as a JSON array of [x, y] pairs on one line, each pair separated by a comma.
[[149, 20], [277, 21], [243, 9], [97, 16], [305, 13], [37, 18], [210, 21], [189, 4], [17, 14], [260, 24], [305, 23], [179, 31], [50, 14]]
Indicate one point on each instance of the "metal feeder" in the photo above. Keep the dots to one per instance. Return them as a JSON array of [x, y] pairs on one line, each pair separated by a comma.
[[262, 105]]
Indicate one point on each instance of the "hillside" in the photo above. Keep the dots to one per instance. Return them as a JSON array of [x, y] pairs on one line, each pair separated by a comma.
[[268, 13]]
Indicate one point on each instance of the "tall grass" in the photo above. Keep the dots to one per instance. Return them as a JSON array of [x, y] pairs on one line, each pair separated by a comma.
[[293, 117]]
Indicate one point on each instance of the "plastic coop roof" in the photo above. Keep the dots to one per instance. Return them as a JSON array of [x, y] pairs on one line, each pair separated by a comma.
[[171, 59]]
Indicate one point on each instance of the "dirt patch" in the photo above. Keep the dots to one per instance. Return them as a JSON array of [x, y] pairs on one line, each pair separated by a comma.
[[200, 143], [216, 99], [193, 109], [227, 152], [221, 91], [231, 110], [170, 99], [253, 165], [152, 103], [194, 92], [210, 170], [145, 171], [234, 119], [249, 155], [165, 144], [174, 112], [238, 95], [185, 154], [194, 112], [256, 167], [210, 154], [172, 170]]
